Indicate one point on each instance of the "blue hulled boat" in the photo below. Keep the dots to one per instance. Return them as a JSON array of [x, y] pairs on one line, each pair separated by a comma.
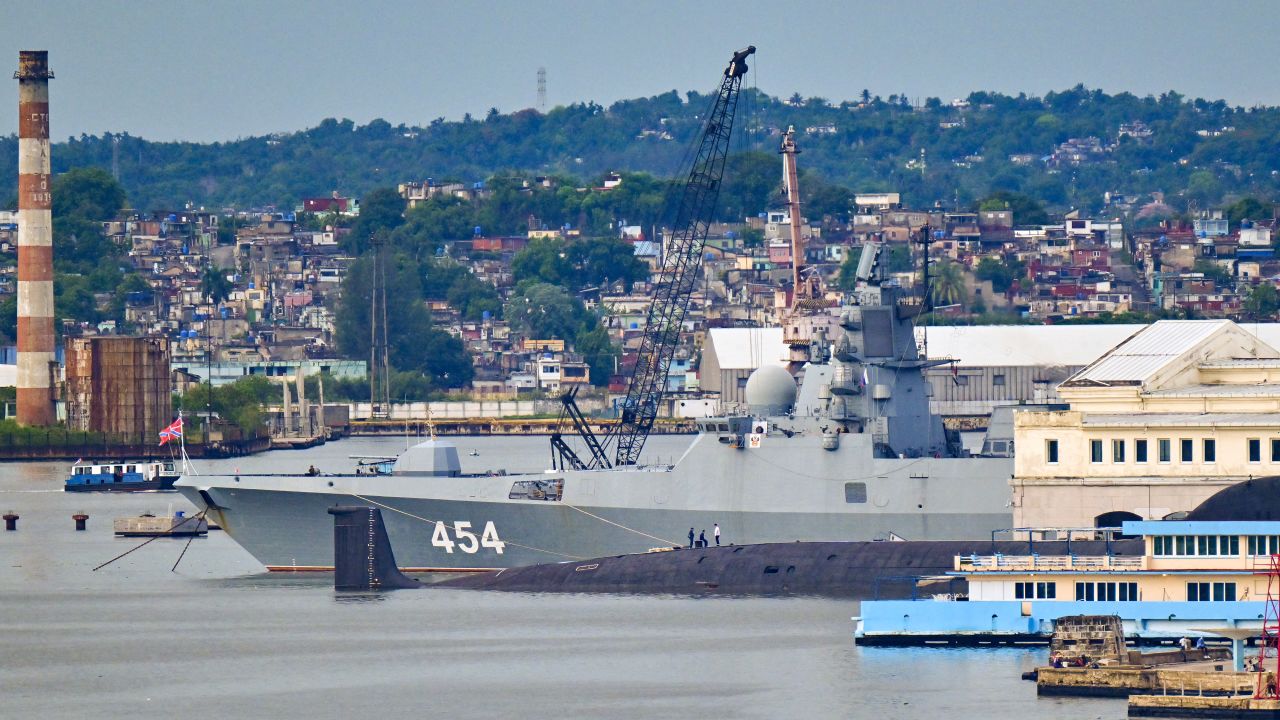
[[122, 477]]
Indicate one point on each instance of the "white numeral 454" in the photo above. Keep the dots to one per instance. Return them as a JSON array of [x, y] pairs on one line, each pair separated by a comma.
[[467, 541]]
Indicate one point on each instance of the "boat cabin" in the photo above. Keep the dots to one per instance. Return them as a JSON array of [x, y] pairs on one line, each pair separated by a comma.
[[120, 473]]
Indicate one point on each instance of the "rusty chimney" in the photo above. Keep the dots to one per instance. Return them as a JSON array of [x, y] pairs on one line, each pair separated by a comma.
[[35, 242]]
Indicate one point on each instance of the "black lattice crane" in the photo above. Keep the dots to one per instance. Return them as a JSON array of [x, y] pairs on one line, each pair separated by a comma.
[[679, 269], [674, 284]]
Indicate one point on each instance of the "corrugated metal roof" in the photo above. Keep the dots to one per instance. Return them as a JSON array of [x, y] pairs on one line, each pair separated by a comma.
[[1146, 352], [1024, 345], [747, 348]]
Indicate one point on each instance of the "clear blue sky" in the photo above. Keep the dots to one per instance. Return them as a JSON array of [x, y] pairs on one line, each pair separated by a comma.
[[222, 69]]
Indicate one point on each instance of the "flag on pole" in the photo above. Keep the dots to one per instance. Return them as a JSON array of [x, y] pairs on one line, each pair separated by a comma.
[[865, 378], [173, 432]]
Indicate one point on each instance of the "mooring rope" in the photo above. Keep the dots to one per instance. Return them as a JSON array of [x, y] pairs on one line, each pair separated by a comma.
[[624, 527], [153, 538], [451, 527], [183, 554]]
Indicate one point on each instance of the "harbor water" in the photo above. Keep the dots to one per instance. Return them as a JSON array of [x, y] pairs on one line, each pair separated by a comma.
[[218, 636]]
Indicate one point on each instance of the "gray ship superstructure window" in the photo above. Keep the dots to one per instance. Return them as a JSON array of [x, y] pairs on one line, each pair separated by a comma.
[[537, 489], [855, 492]]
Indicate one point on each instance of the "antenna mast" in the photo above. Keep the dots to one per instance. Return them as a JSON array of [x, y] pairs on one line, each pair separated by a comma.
[[379, 381]]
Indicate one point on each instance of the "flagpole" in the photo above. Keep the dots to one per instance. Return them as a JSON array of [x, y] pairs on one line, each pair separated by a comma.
[[187, 467]]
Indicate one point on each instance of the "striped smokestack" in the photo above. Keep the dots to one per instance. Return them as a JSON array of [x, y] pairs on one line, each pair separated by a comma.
[[35, 242]]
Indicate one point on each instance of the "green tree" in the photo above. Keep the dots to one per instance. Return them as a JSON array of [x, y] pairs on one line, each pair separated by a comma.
[[1026, 209], [544, 260], [1262, 302], [82, 199], [598, 350], [1002, 273], [545, 312], [215, 285], [947, 284], [1247, 209], [381, 210], [611, 259], [1212, 270], [413, 344]]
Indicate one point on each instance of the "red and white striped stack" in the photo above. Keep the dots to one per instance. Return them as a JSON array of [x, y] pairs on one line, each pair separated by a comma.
[[35, 242]]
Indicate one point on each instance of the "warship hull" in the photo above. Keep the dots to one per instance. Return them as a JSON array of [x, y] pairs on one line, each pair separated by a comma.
[[790, 489]]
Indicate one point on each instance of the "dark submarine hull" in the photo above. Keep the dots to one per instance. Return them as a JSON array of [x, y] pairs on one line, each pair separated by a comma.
[[364, 561]]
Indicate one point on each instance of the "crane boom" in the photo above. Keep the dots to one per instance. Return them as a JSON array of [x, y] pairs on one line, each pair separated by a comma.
[[679, 269]]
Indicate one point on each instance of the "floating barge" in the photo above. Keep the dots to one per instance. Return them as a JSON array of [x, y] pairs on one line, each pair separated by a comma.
[[148, 525]]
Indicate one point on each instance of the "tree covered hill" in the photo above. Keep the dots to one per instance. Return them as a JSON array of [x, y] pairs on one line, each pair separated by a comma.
[[866, 144]]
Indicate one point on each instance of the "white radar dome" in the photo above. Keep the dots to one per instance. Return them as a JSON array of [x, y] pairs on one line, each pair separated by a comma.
[[770, 391]]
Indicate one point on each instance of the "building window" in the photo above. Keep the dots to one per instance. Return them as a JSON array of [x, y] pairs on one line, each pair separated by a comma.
[[1255, 450], [1164, 450], [1035, 590], [997, 379], [1196, 545], [1084, 591], [1210, 450], [1211, 592], [1264, 545], [855, 492], [1185, 451], [1051, 451], [961, 379], [1117, 451], [1095, 451], [1140, 451], [1275, 450], [1107, 591]]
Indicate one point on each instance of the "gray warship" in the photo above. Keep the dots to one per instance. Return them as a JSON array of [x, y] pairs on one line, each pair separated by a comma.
[[842, 448], [838, 445]]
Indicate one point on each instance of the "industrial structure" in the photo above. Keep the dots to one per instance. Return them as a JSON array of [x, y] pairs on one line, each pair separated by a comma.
[[36, 362], [118, 385], [671, 290]]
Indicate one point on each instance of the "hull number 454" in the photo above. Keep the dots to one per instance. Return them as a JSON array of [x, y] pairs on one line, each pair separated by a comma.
[[466, 540]]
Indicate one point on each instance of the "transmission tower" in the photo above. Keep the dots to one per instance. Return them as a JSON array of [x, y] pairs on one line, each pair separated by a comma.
[[542, 90]]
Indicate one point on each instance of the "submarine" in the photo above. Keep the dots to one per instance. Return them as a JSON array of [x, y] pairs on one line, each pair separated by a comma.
[[364, 561]]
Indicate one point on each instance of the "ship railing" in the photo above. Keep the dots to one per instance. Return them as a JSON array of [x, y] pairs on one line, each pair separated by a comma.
[[1014, 563]]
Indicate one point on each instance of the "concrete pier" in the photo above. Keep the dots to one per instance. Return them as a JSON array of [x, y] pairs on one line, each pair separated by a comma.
[[1191, 706]]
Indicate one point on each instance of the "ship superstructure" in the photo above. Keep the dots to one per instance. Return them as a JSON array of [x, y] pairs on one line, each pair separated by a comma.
[[840, 445]]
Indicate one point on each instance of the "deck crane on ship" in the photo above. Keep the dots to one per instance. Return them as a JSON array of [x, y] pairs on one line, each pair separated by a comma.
[[671, 293]]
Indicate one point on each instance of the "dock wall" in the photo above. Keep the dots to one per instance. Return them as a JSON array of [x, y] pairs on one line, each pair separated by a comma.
[[1122, 681]]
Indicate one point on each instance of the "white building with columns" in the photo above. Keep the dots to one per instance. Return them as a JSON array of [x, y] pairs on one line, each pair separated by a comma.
[[1171, 415]]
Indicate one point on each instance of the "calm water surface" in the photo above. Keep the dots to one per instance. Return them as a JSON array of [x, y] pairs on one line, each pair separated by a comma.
[[220, 638]]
